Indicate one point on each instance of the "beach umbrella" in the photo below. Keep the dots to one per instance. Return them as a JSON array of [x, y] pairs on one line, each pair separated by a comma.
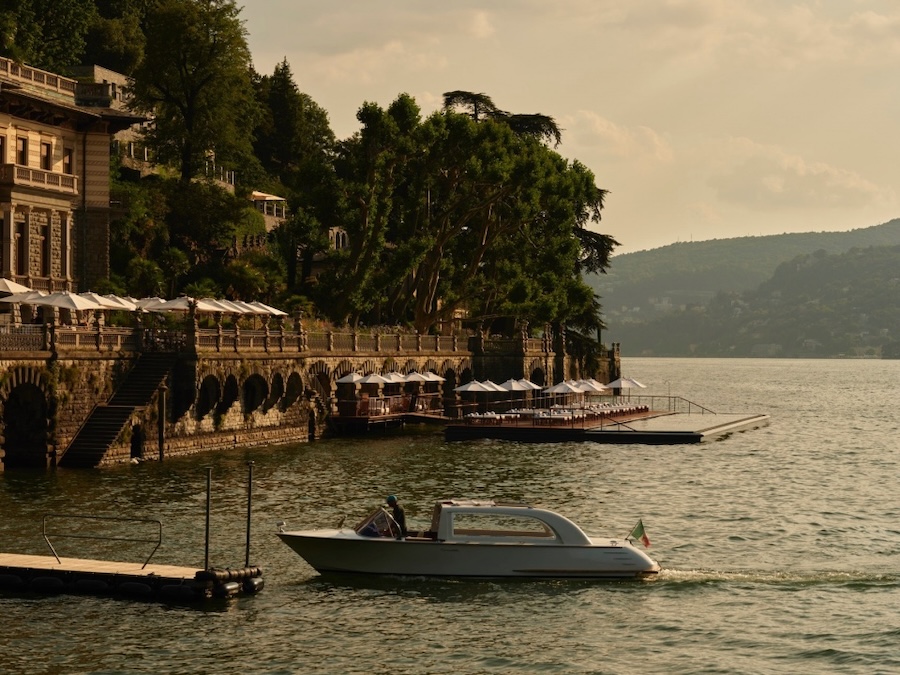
[[9, 286], [127, 304], [23, 298], [274, 311], [626, 383], [474, 385], [149, 303], [183, 304], [373, 378], [563, 388], [514, 385], [102, 301], [66, 300], [349, 378]]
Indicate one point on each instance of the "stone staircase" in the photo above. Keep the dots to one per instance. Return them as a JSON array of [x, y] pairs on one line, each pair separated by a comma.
[[106, 421]]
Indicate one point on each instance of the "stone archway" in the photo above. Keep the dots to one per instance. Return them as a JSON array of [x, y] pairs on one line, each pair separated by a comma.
[[26, 428]]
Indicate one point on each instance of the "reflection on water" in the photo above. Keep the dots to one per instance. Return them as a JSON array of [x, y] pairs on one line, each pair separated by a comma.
[[779, 547]]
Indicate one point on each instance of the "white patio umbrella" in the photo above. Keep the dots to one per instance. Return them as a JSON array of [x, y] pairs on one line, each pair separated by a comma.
[[10, 286], [416, 377], [493, 386], [149, 303], [268, 309], [514, 385], [127, 304], [183, 304], [66, 300], [394, 378], [589, 386], [349, 378], [434, 377], [564, 388], [224, 306], [103, 301], [373, 378], [626, 383], [23, 298], [474, 385], [531, 385]]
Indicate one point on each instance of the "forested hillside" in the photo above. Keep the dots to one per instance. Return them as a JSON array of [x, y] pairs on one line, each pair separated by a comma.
[[816, 305], [647, 284]]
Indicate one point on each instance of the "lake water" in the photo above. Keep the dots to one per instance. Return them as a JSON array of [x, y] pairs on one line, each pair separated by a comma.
[[780, 547]]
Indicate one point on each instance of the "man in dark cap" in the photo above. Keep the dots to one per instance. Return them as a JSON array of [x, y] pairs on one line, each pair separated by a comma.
[[398, 513]]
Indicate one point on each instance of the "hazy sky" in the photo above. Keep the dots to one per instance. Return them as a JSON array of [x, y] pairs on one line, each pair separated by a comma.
[[703, 118]]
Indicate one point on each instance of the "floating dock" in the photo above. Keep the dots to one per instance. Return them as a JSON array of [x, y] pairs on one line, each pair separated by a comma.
[[48, 575], [650, 427]]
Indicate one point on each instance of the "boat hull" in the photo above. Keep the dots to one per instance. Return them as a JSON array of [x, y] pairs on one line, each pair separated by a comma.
[[339, 551]]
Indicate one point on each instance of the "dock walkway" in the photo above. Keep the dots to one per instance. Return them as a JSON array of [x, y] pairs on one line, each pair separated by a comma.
[[46, 574]]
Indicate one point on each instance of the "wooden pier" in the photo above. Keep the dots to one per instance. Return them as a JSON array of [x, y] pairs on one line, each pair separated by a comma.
[[49, 575], [646, 427]]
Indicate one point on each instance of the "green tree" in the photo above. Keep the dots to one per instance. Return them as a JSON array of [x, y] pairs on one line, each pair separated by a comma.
[[47, 34], [195, 80]]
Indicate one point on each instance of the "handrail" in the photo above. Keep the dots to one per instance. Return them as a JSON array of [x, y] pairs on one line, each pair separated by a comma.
[[47, 534]]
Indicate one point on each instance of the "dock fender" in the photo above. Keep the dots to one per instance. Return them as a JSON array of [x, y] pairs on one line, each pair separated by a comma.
[[91, 586], [47, 585], [254, 585], [135, 589], [11, 582], [227, 590], [179, 592]]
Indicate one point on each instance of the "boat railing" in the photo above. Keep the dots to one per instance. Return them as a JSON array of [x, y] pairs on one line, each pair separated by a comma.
[[47, 531]]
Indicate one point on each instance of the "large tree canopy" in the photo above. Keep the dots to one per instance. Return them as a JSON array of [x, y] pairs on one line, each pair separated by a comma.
[[195, 80], [461, 211]]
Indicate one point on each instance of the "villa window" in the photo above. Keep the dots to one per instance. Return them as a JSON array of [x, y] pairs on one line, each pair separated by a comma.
[[46, 156], [2, 149], [21, 249], [67, 162], [22, 151]]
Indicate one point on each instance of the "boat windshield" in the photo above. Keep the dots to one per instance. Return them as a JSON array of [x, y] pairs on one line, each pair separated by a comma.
[[379, 523]]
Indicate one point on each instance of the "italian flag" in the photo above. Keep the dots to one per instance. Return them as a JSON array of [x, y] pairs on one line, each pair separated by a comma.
[[638, 533]]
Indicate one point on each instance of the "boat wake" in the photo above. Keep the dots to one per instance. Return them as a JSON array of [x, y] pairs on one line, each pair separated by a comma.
[[822, 577]]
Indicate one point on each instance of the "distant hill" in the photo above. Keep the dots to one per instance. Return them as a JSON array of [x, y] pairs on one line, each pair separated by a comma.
[[645, 285], [816, 305]]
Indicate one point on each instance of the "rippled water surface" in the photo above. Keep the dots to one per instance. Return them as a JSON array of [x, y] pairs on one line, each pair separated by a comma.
[[780, 546]]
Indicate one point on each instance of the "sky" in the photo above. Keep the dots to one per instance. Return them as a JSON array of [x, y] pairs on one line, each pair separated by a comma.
[[705, 119]]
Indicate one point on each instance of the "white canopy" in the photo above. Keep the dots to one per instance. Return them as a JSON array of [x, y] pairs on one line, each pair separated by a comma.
[[274, 311], [24, 298], [433, 377], [9, 286], [373, 378], [626, 383], [394, 378], [563, 388], [101, 300], [514, 385], [531, 385], [183, 304], [474, 385], [416, 377], [349, 378], [66, 300]]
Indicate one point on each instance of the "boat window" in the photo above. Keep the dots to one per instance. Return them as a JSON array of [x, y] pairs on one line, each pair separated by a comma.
[[495, 525], [378, 524]]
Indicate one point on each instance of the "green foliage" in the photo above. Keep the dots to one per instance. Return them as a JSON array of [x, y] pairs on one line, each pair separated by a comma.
[[47, 34], [195, 80]]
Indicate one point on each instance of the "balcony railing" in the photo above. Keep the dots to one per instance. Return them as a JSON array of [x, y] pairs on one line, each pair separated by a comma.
[[38, 78], [23, 176]]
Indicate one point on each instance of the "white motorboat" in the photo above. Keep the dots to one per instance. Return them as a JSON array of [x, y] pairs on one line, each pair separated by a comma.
[[471, 538]]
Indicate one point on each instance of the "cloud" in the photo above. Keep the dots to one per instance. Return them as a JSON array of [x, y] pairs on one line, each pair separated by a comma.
[[480, 25], [605, 138], [766, 177]]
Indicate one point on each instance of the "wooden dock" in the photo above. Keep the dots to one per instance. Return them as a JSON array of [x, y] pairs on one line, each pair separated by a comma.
[[650, 427], [47, 575]]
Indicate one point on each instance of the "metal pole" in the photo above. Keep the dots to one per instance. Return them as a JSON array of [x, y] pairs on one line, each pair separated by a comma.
[[249, 508], [208, 490], [161, 421]]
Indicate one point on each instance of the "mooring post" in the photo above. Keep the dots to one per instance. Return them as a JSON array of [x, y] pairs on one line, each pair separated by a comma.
[[161, 421], [208, 501], [249, 508]]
